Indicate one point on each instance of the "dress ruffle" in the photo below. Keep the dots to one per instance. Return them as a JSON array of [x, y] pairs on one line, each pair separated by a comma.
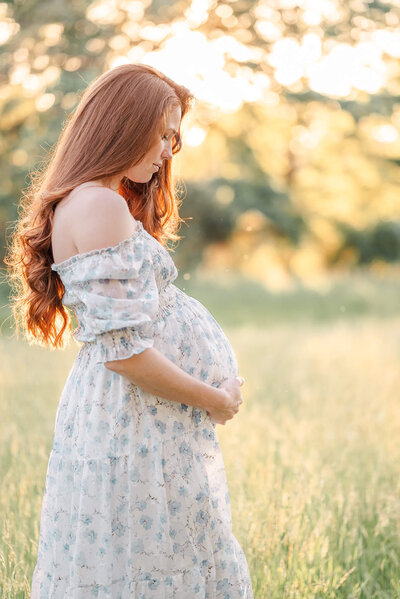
[[200, 582], [172, 542], [115, 295]]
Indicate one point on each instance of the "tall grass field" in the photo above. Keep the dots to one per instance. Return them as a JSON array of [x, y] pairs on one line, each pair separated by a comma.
[[312, 458]]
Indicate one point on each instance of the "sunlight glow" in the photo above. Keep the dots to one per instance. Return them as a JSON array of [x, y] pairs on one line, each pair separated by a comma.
[[21, 55], [225, 44], [45, 102], [385, 134], [8, 28], [134, 8], [224, 11], [105, 12], [119, 43], [153, 33], [388, 41], [50, 75], [197, 13], [18, 73], [311, 48], [51, 33], [291, 58], [21, 74], [194, 136], [19, 157], [95, 45], [205, 64], [41, 62], [73, 64], [268, 30], [31, 83], [201, 66], [316, 12], [347, 67]]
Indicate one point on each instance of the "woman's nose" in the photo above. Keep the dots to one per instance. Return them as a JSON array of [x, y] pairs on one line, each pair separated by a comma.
[[166, 155]]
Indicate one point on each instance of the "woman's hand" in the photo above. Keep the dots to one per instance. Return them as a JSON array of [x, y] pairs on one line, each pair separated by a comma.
[[228, 402]]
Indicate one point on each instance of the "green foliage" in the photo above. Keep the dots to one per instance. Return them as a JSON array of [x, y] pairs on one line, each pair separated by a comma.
[[349, 297], [210, 220], [296, 154], [381, 240]]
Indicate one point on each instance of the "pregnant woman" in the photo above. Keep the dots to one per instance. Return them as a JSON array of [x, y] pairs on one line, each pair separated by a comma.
[[136, 503]]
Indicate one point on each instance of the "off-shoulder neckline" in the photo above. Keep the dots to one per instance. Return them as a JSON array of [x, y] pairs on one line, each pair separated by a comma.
[[112, 248]]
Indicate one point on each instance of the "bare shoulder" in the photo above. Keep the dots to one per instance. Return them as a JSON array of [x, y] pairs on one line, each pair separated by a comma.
[[99, 217]]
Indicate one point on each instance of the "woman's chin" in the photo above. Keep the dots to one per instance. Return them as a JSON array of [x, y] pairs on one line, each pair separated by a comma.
[[150, 178], [140, 180]]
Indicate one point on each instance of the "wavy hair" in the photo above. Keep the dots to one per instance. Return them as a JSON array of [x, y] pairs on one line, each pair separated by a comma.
[[116, 121]]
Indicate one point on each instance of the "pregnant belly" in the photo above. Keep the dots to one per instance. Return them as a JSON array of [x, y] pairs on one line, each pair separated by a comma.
[[187, 334]]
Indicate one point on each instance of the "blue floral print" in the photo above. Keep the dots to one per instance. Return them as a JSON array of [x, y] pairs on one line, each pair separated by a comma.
[[136, 503]]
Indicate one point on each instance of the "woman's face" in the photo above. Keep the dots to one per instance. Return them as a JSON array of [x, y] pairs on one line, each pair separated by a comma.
[[159, 152]]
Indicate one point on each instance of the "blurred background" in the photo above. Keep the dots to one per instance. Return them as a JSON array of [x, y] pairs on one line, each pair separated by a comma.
[[289, 176], [291, 156]]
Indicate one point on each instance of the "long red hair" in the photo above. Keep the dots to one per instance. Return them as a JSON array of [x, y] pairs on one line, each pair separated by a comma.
[[116, 122]]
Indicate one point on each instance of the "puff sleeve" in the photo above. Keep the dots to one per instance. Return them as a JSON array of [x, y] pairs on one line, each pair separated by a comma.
[[114, 295]]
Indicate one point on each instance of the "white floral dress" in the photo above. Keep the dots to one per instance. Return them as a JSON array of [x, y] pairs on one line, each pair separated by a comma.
[[136, 503]]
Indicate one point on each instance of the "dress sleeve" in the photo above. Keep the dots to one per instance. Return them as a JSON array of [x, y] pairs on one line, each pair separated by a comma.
[[114, 295]]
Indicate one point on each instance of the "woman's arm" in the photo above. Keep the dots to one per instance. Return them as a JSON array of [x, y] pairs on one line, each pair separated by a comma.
[[158, 375], [107, 224]]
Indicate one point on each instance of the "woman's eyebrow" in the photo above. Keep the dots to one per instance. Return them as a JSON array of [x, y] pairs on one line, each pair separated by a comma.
[[170, 129]]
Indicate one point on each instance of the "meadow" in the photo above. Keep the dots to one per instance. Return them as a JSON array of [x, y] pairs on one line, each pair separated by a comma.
[[312, 458]]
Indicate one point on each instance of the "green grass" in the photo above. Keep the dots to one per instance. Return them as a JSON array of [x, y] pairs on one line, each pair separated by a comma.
[[235, 300], [312, 458]]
